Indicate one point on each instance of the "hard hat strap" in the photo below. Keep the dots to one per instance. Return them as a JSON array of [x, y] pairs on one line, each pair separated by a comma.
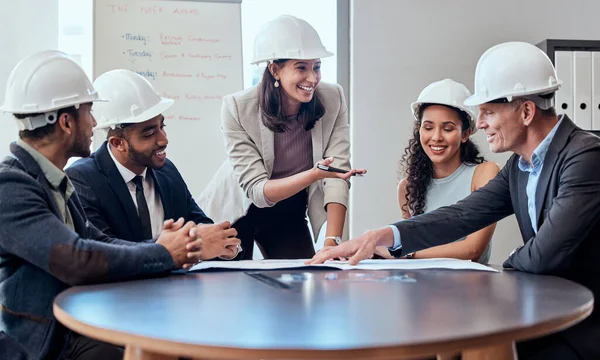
[[502, 100], [38, 121], [543, 101]]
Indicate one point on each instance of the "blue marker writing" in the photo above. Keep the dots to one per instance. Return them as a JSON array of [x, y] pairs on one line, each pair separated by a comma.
[[148, 74], [136, 37], [135, 53]]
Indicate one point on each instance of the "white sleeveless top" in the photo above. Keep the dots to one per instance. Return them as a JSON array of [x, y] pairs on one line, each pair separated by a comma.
[[451, 189]]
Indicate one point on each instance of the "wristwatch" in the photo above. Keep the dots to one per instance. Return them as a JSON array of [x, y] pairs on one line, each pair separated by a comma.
[[410, 255], [238, 249], [337, 239]]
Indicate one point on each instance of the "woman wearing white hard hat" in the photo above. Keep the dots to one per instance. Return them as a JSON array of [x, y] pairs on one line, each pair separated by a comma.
[[275, 133], [443, 165]]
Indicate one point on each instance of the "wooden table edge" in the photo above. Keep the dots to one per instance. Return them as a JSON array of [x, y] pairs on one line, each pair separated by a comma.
[[168, 347]]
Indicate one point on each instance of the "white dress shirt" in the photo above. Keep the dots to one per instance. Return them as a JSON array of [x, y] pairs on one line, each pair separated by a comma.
[[157, 213]]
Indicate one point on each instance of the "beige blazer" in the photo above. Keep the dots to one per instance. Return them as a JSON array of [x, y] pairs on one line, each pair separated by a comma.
[[240, 181]]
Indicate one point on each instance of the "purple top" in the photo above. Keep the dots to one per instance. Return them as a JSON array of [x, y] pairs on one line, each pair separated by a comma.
[[293, 150]]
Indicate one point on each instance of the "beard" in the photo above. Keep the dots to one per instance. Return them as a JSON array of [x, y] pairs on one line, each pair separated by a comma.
[[145, 158], [81, 146]]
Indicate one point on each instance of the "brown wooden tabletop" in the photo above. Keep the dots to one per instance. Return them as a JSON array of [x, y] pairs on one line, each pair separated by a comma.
[[318, 314]]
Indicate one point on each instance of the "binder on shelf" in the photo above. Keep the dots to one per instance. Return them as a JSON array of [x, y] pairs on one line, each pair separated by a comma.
[[582, 84], [564, 96], [596, 90]]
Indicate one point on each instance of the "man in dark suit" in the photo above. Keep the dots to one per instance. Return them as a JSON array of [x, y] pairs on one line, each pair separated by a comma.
[[551, 184], [46, 242], [128, 187]]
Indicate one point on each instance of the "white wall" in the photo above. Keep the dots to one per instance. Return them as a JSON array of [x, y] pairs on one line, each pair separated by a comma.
[[26, 26], [398, 47]]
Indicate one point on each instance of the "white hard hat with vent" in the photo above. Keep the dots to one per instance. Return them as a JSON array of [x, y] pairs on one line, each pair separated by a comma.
[[514, 69], [287, 37], [446, 92], [132, 98], [43, 83]]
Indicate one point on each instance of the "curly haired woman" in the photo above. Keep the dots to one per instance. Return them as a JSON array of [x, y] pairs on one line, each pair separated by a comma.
[[443, 165]]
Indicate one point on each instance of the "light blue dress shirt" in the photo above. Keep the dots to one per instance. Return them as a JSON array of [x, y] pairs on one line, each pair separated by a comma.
[[534, 169], [397, 243]]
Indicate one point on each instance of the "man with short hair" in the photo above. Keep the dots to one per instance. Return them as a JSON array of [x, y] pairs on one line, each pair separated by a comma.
[[128, 187], [46, 242]]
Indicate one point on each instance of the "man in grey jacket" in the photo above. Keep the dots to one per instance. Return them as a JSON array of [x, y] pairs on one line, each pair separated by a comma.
[[551, 184], [46, 242]]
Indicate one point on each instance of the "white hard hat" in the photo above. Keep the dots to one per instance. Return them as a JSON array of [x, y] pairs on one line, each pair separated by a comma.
[[132, 99], [446, 92], [514, 69], [287, 37], [43, 83]]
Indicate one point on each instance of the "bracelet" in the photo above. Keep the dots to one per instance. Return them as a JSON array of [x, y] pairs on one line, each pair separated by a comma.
[[337, 239]]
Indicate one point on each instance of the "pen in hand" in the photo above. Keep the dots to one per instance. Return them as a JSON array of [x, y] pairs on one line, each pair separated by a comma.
[[334, 169]]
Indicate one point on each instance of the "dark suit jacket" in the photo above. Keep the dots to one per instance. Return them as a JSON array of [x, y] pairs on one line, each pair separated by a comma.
[[108, 203], [40, 257], [567, 243]]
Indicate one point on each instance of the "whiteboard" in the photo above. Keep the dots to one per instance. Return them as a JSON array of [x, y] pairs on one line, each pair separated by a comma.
[[191, 52]]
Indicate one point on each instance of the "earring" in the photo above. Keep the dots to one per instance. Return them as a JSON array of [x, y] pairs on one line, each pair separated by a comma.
[[276, 82]]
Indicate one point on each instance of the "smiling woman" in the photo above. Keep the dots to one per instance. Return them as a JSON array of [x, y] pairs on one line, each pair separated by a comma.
[[298, 79], [255, 13], [297, 121], [443, 165]]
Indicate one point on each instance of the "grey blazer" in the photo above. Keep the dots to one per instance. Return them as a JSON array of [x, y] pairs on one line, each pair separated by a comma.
[[241, 179], [40, 257], [567, 243]]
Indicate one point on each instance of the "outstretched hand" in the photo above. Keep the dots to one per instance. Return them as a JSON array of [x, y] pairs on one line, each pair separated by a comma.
[[322, 174], [357, 249]]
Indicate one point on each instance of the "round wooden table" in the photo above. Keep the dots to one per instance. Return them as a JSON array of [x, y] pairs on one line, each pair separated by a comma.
[[324, 314]]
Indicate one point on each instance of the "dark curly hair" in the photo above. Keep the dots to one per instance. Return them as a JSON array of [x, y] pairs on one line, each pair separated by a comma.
[[419, 168]]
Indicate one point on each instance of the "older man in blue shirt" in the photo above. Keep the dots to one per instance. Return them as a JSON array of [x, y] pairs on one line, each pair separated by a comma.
[[551, 184]]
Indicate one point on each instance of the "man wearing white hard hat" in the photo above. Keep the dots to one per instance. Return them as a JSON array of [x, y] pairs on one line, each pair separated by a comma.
[[275, 133], [551, 184], [46, 242], [128, 187]]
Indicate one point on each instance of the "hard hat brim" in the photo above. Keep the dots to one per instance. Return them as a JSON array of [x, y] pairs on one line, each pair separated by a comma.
[[473, 118], [9, 110], [476, 100], [163, 105], [308, 55]]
